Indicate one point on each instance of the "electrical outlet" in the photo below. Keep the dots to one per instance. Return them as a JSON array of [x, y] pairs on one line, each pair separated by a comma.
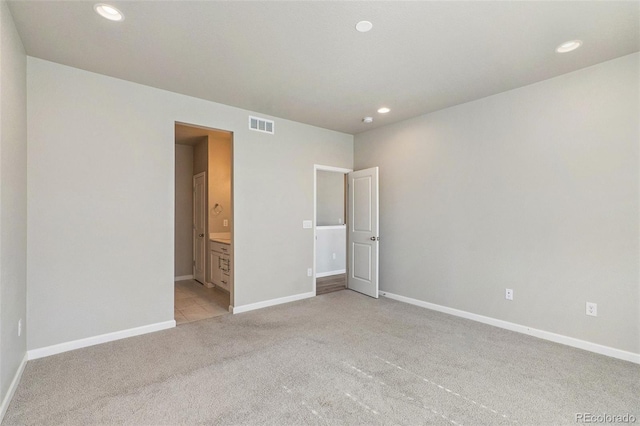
[[309, 272], [19, 327], [225, 222], [508, 294], [592, 309], [339, 221]]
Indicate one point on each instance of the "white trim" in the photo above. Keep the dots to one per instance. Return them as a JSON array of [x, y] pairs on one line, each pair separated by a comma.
[[328, 274], [206, 222], [96, 340], [183, 277], [541, 334], [327, 227], [331, 168], [12, 388], [317, 167], [272, 302]]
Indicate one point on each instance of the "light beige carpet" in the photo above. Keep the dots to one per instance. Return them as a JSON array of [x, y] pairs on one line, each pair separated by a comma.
[[341, 358]]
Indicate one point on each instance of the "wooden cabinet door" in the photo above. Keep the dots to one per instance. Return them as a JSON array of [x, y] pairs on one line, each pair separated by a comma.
[[214, 267], [225, 281]]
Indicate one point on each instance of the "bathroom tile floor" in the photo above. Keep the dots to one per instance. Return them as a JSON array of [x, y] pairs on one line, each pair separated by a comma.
[[194, 302]]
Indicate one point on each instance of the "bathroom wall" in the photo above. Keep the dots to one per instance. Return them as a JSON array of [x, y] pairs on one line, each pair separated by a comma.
[[220, 180], [183, 250], [200, 156]]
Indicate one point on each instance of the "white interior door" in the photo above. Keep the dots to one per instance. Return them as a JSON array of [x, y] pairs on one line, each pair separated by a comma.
[[199, 225], [363, 238]]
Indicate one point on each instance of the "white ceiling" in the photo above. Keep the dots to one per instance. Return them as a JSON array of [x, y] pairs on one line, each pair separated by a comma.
[[304, 61]]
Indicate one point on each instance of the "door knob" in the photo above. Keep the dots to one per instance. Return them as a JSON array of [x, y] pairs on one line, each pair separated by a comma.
[[201, 235], [375, 238]]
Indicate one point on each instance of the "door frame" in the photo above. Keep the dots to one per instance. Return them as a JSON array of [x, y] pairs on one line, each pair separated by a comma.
[[206, 231], [317, 167], [232, 216]]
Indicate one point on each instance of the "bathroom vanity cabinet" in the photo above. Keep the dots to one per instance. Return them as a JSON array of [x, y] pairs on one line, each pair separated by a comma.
[[220, 264]]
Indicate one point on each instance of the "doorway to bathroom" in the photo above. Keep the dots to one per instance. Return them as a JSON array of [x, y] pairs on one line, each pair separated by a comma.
[[203, 272]]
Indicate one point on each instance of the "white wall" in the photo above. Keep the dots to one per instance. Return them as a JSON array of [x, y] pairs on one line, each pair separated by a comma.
[[535, 189], [332, 240], [13, 203], [330, 198], [183, 234], [101, 194]]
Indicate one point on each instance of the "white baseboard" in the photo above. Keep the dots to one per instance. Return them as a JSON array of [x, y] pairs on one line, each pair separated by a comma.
[[272, 302], [96, 340], [328, 274], [12, 388], [541, 334], [183, 277]]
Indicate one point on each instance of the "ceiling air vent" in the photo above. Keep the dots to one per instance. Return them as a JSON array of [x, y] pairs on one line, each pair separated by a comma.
[[261, 125]]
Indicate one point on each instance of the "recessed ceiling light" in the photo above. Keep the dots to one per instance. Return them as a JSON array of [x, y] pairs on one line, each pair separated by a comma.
[[367, 120], [569, 46], [384, 110], [364, 26], [109, 12]]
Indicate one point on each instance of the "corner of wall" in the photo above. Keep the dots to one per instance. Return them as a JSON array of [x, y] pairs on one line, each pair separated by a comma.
[[13, 207]]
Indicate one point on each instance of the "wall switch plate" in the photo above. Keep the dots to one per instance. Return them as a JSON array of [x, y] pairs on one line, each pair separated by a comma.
[[19, 327], [508, 294], [592, 309], [307, 224], [309, 272], [333, 256], [225, 222]]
